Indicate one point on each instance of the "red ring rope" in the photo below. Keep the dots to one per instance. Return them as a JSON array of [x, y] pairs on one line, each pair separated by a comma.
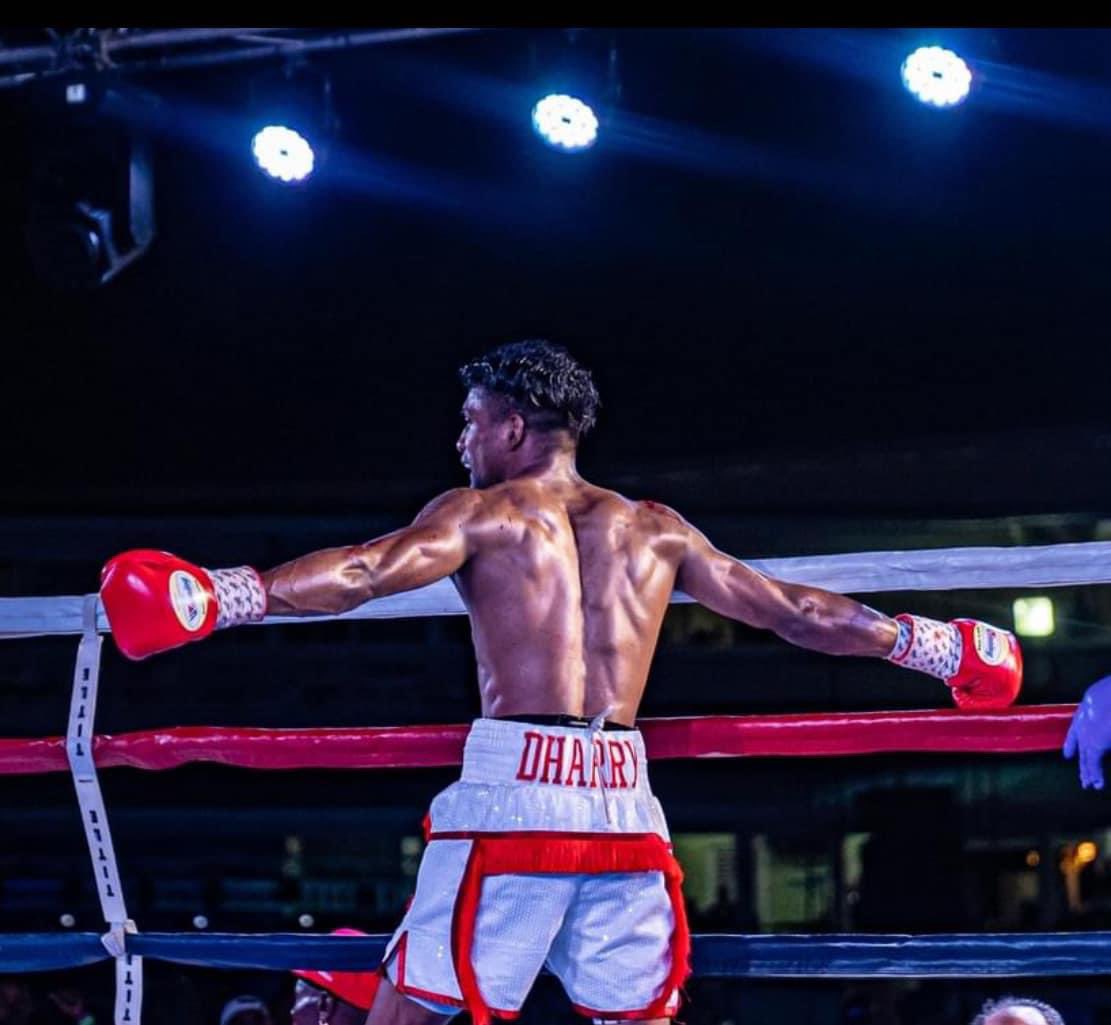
[[1010, 731]]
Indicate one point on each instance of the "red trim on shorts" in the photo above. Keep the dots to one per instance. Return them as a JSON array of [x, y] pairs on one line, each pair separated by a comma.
[[536, 852], [536, 834], [644, 1014], [463, 918], [402, 946], [437, 998]]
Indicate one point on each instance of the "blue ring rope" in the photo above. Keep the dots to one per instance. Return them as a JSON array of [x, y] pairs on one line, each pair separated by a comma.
[[754, 956]]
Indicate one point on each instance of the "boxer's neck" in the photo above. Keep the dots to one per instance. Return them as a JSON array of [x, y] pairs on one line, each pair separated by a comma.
[[544, 461]]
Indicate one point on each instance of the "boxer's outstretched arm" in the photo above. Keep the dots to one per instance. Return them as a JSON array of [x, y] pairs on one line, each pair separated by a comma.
[[806, 616], [335, 580], [980, 664]]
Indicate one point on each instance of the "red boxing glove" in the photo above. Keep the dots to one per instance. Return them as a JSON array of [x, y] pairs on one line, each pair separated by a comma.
[[155, 601], [990, 673], [981, 664]]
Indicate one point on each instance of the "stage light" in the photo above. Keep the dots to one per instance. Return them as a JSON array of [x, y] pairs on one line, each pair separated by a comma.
[[936, 76], [294, 121], [283, 153], [565, 122], [577, 86]]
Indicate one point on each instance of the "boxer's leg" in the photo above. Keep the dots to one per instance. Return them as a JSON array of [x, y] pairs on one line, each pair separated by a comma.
[[392, 1008]]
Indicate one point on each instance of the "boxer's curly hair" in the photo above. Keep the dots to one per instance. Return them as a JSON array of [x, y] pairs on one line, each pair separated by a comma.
[[1052, 1015], [540, 380]]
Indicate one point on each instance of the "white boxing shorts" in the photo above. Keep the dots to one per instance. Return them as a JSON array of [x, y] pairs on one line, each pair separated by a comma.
[[551, 852]]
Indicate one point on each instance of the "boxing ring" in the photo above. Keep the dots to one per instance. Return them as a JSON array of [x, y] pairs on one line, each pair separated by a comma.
[[1025, 729]]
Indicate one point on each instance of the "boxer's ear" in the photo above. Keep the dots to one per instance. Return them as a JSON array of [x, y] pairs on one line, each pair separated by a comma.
[[515, 429]]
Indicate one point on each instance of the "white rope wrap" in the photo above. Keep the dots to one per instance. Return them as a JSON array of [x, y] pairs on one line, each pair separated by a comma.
[[79, 751]]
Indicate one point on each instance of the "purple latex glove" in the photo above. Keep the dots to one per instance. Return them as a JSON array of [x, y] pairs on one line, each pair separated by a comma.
[[1090, 732]]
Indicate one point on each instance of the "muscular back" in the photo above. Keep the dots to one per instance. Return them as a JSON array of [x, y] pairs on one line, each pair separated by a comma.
[[566, 587]]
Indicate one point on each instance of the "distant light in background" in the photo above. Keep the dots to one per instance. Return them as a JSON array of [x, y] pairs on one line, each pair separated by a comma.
[[283, 153], [1033, 859], [1034, 617], [67, 921], [306, 921], [565, 122], [936, 76], [200, 922], [1086, 852]]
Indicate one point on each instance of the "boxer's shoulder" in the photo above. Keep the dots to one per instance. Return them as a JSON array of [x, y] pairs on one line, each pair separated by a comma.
[[659, 511], [456, 502]]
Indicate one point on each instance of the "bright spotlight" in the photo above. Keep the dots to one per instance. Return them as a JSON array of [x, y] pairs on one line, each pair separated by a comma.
[[283, 153], [936, 76], [565, 122]]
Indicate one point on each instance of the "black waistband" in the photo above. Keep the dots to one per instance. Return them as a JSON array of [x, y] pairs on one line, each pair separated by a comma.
[[561, 720]]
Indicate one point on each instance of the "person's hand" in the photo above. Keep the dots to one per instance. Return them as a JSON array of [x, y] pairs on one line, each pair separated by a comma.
[[1090, 733]]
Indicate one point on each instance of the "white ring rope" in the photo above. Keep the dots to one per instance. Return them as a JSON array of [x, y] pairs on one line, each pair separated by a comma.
[[931, 569]]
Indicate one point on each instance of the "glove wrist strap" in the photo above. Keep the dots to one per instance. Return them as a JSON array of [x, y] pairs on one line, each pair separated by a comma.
[[927, 645], [240, 596]]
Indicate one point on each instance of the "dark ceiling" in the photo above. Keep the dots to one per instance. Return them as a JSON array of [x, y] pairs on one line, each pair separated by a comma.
[[774, 255]]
